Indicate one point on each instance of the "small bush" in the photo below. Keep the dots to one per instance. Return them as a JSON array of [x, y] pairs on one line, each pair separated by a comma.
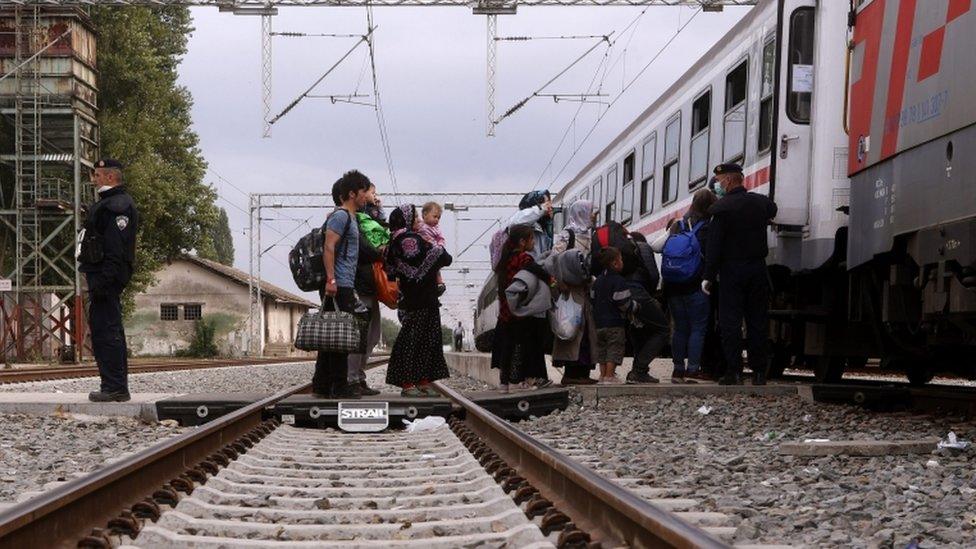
[[203, 344]]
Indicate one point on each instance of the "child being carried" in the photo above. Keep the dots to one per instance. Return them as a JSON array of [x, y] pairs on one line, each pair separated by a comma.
[[431, 232]]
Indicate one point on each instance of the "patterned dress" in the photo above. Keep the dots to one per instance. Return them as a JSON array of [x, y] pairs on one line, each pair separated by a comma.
[[418, 354]]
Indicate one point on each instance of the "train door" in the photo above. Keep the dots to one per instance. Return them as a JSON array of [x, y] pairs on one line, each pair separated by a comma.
[[793, 145]]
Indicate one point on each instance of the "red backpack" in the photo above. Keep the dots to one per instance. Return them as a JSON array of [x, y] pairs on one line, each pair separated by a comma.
[[614, 234]]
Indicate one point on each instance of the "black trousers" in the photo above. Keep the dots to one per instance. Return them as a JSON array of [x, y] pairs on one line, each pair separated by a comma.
[[651, 337], [744, 295], [332, 369], [108, 341]]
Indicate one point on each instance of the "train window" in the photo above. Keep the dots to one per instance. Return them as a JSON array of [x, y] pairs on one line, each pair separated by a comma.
[[672, 135], [627, 198], [648, 157], [734, 127], [766, 96], [800, 78], [700, 111], [595, 197], [611, 206]]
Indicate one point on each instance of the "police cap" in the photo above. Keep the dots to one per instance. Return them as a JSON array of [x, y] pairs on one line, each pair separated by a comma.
[[108, 163], [728, 167]]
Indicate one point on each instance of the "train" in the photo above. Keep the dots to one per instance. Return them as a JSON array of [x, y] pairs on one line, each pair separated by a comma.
[[859, 120]]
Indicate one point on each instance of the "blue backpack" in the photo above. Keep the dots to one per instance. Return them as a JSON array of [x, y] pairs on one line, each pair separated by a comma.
[[682, 255]]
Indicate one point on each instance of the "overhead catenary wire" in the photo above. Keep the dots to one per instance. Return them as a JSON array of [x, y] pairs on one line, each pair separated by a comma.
[[604, 64], [527, 38], [520, 104], [378, 107], [621, 93], [293, 104]]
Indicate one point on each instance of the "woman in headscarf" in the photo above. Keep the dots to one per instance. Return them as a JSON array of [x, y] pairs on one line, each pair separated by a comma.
[[574, 355], [535, 210], [418, 355]]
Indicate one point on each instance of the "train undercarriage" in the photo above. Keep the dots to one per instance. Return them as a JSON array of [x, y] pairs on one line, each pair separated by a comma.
[[913, 308]]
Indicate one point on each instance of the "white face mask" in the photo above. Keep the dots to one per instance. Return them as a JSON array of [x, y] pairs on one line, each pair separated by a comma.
[[718, 190]]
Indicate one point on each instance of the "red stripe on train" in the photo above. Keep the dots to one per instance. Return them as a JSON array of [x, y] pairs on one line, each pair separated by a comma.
[[898, 73], [753, 180]]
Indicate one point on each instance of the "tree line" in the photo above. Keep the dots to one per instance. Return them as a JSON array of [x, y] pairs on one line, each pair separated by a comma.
[[145, 122]]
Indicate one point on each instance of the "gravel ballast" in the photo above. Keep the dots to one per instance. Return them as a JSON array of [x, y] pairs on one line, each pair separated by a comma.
[[38, 453], [729, 460], [233, 379]]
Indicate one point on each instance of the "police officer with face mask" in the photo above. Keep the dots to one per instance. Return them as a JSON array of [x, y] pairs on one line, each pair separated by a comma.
[[736, 254], [106, 254]]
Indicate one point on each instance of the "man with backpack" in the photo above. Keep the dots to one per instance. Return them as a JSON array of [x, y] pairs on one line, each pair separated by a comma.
[[736, 254], [682, 264], [340, 258]]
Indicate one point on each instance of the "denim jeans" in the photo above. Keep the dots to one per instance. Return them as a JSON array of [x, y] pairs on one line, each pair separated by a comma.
[[690, 315]]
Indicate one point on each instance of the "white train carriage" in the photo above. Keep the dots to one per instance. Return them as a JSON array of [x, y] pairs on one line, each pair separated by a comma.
[[725, 109], [888, 270]]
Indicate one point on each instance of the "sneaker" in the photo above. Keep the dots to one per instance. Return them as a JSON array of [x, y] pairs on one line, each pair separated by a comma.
[[523, 386], [430, 391], [635, 378], [412, 392], [612, 380], [348, 392], [366, 390], [113, 396], [542, 383]]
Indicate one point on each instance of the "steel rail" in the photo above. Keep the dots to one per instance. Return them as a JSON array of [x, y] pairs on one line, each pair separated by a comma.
[[610, 513], [61, 517], [71, 372]]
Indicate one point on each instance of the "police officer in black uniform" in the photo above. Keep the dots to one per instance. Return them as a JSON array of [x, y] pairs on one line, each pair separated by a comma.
[[736, 254], [106, 256]]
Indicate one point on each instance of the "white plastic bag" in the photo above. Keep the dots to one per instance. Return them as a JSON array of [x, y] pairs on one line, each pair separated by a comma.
[[428, 423], [566, 317]]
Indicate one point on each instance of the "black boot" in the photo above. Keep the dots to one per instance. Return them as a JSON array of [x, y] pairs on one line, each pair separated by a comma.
[[759, 377], [327, 391], [729, 379]]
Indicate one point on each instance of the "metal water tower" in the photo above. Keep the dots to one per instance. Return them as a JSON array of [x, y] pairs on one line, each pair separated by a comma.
[[48, 144]]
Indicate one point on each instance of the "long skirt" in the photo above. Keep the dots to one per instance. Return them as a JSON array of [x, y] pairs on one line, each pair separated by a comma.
[[520, 351], [418, 354]]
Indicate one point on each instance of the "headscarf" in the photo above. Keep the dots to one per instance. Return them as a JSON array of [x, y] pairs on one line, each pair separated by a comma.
[[537, 198], [580, 216], [409, 256], [402, 219]]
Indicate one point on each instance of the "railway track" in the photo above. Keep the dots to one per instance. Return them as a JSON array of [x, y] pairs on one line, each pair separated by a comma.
[[21, 375], [244, 480]]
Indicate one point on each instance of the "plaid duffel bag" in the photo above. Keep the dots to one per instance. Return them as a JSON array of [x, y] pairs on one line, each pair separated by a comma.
[[332, 331]]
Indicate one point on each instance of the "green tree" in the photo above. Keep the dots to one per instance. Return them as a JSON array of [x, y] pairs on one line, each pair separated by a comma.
[[447, 335], [218, 244], [144, 118], [389, 330]]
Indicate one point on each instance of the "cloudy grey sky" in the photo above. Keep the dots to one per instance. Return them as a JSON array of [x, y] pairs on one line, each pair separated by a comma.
[[431, 72]]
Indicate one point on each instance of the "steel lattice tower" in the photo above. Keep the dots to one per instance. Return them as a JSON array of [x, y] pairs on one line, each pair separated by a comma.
[[47, 103]]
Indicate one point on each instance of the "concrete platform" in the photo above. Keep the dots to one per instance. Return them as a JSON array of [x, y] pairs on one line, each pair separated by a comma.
[[478, 366], [593, 393], [142, 406]]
